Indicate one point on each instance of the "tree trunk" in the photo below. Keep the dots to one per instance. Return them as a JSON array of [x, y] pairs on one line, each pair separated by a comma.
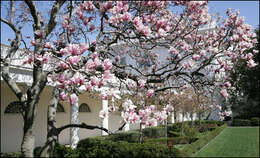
[[52, 136], [141, 134], [33, 94], [28, 141]]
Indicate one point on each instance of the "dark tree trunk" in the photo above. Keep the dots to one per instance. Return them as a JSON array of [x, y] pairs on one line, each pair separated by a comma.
[[52, 136], [33, 95]]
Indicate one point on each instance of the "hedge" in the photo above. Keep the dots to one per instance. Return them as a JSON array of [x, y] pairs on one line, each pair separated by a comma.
[[254, 121], [11, 154], [192, 148], [154, 132], [96, 148], [131, 136], [175, 140], [241, 122], [59, 151]]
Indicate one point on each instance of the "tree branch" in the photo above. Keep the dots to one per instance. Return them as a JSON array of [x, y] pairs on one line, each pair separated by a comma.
[[82, 125], [53, 17]]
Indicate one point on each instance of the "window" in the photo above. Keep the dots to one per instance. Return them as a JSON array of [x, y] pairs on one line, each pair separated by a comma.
[[84, 108], [14, 108], [60, 108]]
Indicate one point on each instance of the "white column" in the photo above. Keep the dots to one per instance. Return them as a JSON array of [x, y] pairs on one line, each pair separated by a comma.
[[105, 120], [172, 116], [74, 132], [127, 127]]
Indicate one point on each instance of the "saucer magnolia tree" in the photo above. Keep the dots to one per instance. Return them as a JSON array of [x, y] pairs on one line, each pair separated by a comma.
[[77, 40]]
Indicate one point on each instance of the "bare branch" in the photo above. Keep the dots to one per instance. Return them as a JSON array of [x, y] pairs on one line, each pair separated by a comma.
[[53, 17], [9, 24], [83, 125], [12, 9], [35, 14]]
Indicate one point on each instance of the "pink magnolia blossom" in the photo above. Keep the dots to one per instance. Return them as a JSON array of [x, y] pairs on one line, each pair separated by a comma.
[[73, 60], [39, 33], [107, 64], [218, 107], [64, 51], [227, 84], [117, 58], [150, 92], [33, 42], [74, 49], [91, 27], [141, 83], [168, 108], [73, 98], [103, 96], [126, 17], [63, 96], [63, 65], [94, 81], [152, 108], [29, 60], [97, 62], [174, 51], [83, 47], [128, 105], [107, 75], [195, 57], [151, 122], [251, 63], [224, 93], [103, 114], [48, 45], [160, 116], [88, 87], [94, 55]]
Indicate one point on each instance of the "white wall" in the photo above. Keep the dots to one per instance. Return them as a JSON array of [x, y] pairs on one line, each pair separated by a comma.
[[12, 124]]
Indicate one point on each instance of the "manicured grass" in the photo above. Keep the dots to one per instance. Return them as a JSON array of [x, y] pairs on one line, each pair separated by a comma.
[[233, 142]]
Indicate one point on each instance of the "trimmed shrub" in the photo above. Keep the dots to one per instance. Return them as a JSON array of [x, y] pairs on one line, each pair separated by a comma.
[[254, 121], [173, 134], [203, 128], [59, 151], [11, 154], [106, 148], [175, 140], [190, 131], [154, 132], [197, 145], [241, 122], [132, 136]]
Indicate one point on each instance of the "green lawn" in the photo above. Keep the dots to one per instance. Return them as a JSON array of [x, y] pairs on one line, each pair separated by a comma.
[[233, 142]]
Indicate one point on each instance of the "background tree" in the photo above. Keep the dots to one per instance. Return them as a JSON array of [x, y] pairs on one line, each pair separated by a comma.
[[245, 100]]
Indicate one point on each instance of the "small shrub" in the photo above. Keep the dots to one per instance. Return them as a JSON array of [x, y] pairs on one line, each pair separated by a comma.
[[11, 154], [254, 121], [132, 136], [106, 148], [175, 140], [173, 134], [241, 122], [154, 132], [203, 128], [190, 131], [59, 151]]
